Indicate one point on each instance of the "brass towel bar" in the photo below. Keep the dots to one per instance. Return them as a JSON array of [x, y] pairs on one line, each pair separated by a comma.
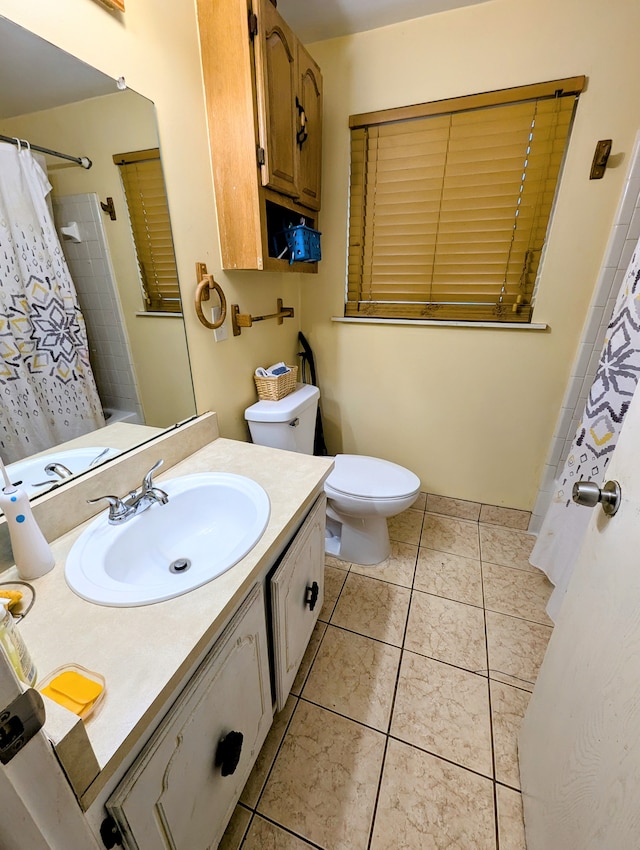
[[244, 320]]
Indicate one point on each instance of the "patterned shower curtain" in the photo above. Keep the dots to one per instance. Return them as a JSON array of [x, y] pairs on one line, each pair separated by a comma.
[[47, 389], [565, 523]]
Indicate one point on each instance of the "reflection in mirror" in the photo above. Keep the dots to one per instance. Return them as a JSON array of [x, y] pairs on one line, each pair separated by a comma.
[[88, 361]]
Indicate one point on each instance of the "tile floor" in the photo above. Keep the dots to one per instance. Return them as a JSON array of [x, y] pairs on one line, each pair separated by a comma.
[[400, 731]]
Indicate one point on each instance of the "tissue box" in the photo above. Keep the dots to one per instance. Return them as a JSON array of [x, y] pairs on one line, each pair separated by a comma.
[[303, 244], [276, 387]]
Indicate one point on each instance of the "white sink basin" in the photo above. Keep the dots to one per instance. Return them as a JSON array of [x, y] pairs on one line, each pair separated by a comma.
[[31, 471], [211, 520]]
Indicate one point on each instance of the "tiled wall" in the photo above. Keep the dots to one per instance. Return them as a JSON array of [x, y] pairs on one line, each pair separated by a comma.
[[92, 274], [623, 239]]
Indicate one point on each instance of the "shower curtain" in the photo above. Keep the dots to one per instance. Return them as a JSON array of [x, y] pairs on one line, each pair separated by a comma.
[[565, 523], [47, 389]]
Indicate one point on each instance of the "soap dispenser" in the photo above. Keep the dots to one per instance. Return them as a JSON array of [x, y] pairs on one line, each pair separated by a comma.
[[31, 551]]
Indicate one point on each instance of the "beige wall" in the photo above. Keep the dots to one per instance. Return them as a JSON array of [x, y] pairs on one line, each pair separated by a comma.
[[98, 128], [155, 47], [472, 411]]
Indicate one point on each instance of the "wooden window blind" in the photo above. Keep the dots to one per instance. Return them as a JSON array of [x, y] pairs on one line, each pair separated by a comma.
[[146, 197], [450, 203]]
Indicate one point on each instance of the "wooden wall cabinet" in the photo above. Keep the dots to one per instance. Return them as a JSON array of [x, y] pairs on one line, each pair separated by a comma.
[[264, 108]]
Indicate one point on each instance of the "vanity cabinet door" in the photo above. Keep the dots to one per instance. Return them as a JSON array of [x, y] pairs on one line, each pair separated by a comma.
[[181, 791], [297, 594]]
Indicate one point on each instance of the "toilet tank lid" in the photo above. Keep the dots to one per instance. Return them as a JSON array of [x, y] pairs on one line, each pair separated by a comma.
[[287, 408]]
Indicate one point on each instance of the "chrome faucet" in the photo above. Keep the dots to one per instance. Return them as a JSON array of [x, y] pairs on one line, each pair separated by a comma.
[[58, 469], [137, 501]]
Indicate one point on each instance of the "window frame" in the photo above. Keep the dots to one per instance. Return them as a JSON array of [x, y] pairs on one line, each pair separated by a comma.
[[516, 309], [159, 276]]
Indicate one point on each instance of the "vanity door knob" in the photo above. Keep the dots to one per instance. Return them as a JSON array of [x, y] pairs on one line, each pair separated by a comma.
[[311, 595], [588, 493], [228, 752]]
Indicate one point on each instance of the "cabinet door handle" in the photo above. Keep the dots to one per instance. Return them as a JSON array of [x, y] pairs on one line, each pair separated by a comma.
[[311, 596], [228, 752], [301, 134]]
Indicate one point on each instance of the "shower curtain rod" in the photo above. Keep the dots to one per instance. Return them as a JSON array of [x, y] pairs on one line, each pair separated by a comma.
[[84, 161]]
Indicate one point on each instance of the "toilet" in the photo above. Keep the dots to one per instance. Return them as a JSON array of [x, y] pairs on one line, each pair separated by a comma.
[[362, 492]]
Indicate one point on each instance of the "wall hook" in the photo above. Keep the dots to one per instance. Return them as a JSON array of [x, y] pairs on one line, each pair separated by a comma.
[[109, 208], [600, 158]]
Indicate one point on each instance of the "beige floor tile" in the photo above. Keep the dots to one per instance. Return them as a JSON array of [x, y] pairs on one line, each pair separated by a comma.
[[457, 536], [324, 782], [510, 820], [420, 503], [307, 659], [428, 804], [406, 527], [516, 592], [398, 568], [444, 710], [452, 576], [330, 561], [453, 507], [236, 829], [447, 631], [267, 836], [334, 580], [516, 649], [509, 517], [355, 676], [506, 546], [267, 755], [508, 706], [373, 608]]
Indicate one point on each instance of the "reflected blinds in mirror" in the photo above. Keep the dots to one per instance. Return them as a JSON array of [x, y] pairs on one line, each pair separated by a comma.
[[450, 204], [146, 197]]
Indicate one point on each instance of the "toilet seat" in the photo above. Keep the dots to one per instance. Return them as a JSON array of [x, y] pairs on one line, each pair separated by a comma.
[[371, 478]]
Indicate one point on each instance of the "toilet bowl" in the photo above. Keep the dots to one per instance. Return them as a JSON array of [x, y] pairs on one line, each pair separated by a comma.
[[362, 492]]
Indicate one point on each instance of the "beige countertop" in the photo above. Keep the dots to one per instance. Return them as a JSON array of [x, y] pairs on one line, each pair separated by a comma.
[[144, 653]]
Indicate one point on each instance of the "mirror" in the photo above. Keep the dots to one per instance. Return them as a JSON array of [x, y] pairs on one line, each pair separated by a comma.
[[139, 358]]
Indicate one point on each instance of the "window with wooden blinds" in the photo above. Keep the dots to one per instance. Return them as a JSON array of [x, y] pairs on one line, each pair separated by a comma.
[[450, 203], [146, 196]]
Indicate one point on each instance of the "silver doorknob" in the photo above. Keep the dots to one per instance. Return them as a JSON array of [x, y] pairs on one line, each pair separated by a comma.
[[588, 493]]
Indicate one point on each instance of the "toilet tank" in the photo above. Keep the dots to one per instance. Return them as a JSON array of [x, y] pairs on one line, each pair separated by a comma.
[[286, 424]]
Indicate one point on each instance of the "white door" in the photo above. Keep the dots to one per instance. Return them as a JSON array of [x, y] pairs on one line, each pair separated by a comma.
[[38, 809], [580, 741]]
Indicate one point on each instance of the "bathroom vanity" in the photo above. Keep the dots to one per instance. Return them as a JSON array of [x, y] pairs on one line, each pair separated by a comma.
[[192, 683]]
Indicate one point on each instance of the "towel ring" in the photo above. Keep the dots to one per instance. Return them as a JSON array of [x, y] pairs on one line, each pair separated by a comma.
[[203, 292]]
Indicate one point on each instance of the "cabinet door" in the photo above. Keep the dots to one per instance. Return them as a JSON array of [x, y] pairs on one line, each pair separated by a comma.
[[182, 789], [297, 594], [276, 87], [310, 135]]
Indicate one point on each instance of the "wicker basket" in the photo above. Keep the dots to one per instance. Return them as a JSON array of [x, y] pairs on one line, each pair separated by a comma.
[[277, 387]]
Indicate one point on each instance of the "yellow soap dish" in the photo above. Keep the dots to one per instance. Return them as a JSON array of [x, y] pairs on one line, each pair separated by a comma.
[[77, 689]]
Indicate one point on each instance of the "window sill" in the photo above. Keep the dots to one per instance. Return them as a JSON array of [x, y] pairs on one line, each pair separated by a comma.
[[157, 315], [521, 326]]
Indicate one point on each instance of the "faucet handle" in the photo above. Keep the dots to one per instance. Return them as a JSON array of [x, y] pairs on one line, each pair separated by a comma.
[[147, 481], [117, 508]]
